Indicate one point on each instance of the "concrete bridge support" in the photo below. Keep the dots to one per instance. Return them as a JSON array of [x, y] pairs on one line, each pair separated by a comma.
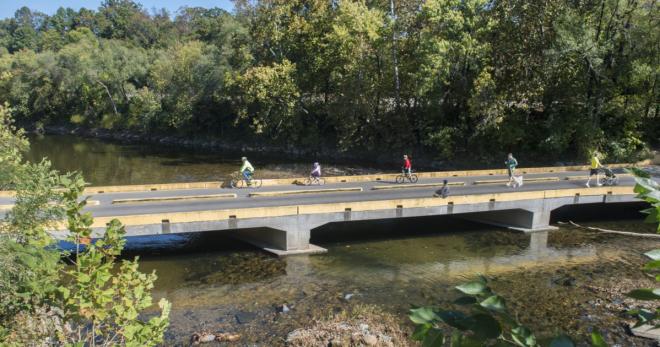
[[284, 236], [518, 219], [534, 217]]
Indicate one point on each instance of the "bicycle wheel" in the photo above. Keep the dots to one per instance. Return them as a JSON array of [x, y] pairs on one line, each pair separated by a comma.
[[413, 178], [321, 181], [307, 182], [257, 183], [233, 183], [400, 179]]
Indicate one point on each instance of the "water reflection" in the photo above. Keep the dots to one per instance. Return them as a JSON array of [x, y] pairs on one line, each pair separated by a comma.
[[439, 259], [110, 163]]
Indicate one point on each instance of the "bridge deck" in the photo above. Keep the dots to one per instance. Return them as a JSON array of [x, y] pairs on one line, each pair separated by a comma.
[[365, 193], [200, 199], [291, 211]]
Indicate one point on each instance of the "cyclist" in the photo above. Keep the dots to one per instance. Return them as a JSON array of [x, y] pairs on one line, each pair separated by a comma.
[[511, 164], [594, 169], [316, 171], [247, 170], [407, 165]]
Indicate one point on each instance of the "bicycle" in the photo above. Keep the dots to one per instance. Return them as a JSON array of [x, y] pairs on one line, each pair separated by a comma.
[[238, 181], [609, 178], [314, 180], [404, 175]]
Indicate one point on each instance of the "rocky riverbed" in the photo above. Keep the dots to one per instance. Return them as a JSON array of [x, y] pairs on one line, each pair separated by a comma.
[[574, 286]]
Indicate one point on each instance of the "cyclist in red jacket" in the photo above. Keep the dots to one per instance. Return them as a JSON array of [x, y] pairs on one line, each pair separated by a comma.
[[407, 165]]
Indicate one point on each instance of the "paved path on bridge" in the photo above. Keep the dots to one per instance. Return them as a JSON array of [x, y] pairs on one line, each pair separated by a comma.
[[106, 207]]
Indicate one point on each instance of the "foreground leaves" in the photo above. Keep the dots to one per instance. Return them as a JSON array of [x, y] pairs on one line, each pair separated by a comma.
[[488, 323], [97, 300]]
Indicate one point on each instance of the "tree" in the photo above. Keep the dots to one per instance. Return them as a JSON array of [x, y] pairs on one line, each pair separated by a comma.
[[125, 19], [92, 302], [184, 76], [267, 99], [441, 78]]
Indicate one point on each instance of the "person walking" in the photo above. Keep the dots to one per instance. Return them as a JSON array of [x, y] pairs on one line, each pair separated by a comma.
[[443, 191], [511, 164], [594, 169]]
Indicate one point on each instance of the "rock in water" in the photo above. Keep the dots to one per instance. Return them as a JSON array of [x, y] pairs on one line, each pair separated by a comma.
[[283, 308], [227, 337], [245, 317], [370, 340], [199, 338]]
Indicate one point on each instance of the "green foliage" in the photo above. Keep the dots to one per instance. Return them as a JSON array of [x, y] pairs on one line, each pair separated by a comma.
[[28, 278], [487, 323], [34, 186], [12, 143], [98, 295], [268, 99], [144, 109], [185, 76], [443, 77], [93, 301], [648, 190]]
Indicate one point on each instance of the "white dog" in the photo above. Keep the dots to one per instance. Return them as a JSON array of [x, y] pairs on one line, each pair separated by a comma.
[[517, 181]]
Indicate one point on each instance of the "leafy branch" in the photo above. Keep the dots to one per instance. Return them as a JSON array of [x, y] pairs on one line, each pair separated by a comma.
[[488, 323], [648, 190]]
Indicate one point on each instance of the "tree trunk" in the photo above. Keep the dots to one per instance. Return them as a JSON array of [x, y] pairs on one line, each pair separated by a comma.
[[397, 84], [114, 107]]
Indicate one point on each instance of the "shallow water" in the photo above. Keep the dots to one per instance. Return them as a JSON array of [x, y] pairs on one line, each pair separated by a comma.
[[547, 276]]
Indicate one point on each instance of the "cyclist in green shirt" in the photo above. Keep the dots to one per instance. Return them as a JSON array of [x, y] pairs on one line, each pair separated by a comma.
[[247, 170]]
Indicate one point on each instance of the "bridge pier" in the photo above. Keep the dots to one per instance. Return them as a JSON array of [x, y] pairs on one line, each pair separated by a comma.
[[516, 219], [282, 237]]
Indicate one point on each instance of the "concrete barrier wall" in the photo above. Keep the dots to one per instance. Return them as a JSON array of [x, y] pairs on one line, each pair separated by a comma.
[[149, 187], [359, 206]]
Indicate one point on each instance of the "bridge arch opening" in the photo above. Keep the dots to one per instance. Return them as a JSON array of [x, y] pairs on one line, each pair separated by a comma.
[[391, 228], [598, 212]]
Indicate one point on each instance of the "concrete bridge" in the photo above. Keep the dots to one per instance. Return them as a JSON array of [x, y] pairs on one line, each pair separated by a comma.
[[279, 216]]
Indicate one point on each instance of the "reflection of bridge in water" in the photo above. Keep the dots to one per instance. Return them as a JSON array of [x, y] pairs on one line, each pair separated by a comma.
[[536, 254]]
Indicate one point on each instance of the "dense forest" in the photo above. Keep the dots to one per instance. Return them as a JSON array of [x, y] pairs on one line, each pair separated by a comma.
[[449, 79]]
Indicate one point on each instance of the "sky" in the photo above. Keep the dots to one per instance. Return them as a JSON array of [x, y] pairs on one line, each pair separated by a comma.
[[8, 7]]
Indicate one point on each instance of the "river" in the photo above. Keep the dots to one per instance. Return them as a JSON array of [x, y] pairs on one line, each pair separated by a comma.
[[566, 280], [113, 163]]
